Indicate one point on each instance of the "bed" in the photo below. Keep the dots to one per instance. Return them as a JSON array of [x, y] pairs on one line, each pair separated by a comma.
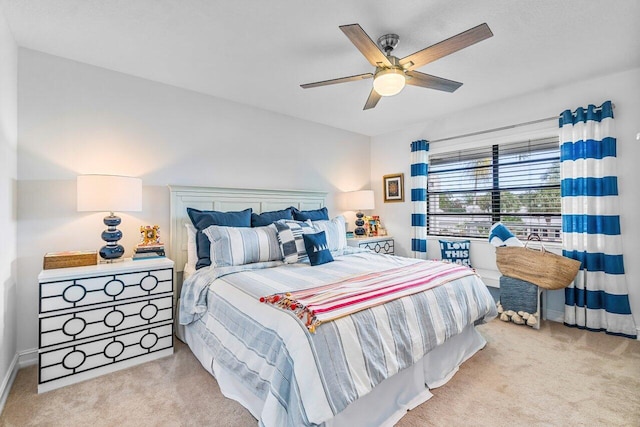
[[357, 368]]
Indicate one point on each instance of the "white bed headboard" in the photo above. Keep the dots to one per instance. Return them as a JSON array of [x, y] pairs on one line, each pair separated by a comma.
[[228, 199]]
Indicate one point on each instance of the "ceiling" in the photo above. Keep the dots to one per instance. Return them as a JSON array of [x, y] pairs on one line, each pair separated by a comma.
[[258, 52]]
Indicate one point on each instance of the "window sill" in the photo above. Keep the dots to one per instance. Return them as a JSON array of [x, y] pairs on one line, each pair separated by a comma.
[[533, 244]]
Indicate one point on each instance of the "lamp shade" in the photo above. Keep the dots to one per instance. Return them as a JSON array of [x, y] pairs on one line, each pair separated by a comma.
[[359, 200], [109, 193]]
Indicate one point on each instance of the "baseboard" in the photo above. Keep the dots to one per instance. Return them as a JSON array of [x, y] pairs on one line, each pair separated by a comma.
[[7, 381], [28, 357], [554, 315]]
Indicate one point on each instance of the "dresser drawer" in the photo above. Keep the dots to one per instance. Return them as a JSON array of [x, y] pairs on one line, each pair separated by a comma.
[[81, 292], [62, 328], [79, 358]]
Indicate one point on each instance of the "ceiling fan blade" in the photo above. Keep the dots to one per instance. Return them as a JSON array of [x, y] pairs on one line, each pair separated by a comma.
[[446, 47], [336, 81], [373, 99], [365, 45], [416, 78]]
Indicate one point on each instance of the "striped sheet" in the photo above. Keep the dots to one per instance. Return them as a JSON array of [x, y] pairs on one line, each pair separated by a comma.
[[305, 379], [329, 302]]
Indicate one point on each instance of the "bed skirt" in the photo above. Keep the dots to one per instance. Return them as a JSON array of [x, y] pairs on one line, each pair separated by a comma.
[[386, 404]]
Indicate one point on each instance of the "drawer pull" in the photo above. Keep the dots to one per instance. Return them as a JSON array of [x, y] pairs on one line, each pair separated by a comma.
[[114, 318], [149, 283], [148, 340], [149, 311], [114, 349], [113, 288], [74, 326], [74, 359], [74, 293]]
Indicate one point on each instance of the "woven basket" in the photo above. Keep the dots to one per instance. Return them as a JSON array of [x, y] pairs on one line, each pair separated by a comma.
[[540, 267]]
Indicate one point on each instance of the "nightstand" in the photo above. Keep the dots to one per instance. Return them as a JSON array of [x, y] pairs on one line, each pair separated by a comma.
[[378, 244], [102, 318]]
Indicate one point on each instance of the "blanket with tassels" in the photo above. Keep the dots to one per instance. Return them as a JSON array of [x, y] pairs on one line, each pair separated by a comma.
[[329, 302]]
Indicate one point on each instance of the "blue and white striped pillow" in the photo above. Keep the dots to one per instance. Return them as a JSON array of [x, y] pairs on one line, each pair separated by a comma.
[[242, 245], [335, 231], [290, 238]]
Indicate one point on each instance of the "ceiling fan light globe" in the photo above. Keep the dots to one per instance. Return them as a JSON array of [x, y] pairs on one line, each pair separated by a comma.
[[389, 82]]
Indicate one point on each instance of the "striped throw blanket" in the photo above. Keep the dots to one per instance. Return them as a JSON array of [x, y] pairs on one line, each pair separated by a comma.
[[335, 300]]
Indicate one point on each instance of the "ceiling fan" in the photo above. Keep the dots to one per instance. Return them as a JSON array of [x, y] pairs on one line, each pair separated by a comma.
[[392, 73]]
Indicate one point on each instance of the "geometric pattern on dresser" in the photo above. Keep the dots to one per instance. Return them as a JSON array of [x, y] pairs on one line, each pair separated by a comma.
[[97, 319], [56, 364]]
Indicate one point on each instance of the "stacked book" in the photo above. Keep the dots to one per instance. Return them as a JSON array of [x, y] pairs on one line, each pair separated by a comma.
[[148, 251]]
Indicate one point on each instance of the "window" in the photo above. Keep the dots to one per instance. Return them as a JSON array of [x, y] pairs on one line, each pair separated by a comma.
[[516, 183]]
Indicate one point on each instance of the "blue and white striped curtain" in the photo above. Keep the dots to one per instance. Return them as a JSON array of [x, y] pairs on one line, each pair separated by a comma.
[[598, 299], [419, 169]]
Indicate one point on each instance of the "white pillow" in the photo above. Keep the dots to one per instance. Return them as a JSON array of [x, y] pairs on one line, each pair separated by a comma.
[[335, 231], [192, 250], [242, 245]]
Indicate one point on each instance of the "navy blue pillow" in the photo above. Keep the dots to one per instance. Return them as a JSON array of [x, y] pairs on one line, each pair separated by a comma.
[[456, 251], [266, 218], [317, 248], [203, 219], [314, 215]]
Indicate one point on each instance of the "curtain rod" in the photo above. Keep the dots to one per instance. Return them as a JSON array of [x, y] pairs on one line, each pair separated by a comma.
[[533, 122]]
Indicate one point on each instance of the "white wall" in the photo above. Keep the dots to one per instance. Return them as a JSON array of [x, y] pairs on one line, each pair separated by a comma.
[[8, 176], [391, 153], [76, 119]]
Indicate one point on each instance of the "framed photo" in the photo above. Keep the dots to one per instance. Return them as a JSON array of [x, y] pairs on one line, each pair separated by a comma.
[[149, 235], [393, 187]]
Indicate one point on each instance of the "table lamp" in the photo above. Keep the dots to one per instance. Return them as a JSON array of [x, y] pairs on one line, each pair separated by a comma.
[[109, 193], [359, 201]]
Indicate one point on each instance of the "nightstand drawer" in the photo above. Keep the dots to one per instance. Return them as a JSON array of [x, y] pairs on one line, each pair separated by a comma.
[[81, 292], [381, 245], [62, 328], [79, 358]]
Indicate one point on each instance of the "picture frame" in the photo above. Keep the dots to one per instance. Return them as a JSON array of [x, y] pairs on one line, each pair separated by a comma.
[[393, 187], [149, 235]]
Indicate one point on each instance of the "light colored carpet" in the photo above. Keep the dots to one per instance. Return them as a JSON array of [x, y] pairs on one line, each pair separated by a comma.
[[556, 376]]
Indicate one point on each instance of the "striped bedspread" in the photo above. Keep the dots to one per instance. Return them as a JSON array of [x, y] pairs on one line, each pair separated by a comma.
[[335, 300], [305, 379]]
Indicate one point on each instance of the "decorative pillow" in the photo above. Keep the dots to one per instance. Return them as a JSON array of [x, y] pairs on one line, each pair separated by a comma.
[[335, 231], [314, 215], [266, 218], [317, 249], [204, 219], [242, 245], [290, 239], [192, 249], [456, 251]]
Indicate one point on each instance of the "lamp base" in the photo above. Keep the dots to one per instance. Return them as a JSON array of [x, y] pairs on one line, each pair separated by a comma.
[[112, 250], [359, 230], [111, 261]]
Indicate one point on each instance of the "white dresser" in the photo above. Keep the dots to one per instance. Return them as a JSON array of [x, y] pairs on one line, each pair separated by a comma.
[[101, 318], [379, 244]]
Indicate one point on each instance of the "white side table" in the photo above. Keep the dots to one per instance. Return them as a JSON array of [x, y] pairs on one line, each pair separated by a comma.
[[102, 318]]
